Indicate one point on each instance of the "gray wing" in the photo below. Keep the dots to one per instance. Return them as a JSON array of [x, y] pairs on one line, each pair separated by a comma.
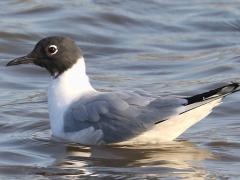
[[120, 115]]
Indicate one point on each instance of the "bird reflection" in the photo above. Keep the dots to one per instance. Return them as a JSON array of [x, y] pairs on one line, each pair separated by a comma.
[[177, 159]]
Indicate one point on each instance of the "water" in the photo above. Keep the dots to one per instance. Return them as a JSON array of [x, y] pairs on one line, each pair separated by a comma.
[[177, 47]]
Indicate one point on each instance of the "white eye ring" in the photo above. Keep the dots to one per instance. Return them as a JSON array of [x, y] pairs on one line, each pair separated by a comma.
[[52, 49]]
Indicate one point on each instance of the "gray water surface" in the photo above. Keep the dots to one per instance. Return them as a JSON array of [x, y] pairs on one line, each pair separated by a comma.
[[176, 47]]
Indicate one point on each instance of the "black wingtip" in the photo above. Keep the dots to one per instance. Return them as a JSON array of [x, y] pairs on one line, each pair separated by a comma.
[[221, 92], [230, 88]]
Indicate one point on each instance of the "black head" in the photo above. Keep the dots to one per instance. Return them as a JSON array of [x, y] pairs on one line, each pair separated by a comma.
[[56, 54]]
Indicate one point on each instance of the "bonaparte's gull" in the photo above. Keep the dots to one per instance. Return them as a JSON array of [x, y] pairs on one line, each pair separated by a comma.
[[81, 114]]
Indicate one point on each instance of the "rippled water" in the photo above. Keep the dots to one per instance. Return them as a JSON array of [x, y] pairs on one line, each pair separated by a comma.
[[177, 47]]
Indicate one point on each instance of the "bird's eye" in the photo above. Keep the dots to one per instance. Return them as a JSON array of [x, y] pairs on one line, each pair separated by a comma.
[[52, 49]]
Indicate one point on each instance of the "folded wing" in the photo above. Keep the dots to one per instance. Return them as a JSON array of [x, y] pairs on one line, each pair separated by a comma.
[[120, 115]]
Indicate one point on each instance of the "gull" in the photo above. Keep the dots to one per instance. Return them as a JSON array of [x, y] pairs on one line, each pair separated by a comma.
[[81, 114]]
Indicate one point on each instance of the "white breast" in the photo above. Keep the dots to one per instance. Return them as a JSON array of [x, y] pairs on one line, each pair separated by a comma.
[[63, 90]]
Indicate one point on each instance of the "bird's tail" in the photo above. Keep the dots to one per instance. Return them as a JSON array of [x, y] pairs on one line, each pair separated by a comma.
[[197, 108]]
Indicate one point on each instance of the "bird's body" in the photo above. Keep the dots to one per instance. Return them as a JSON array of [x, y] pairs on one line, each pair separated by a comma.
[[79, 113], [73, 87]]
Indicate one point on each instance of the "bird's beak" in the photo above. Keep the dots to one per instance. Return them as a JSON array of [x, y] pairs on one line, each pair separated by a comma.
[[22, 60]]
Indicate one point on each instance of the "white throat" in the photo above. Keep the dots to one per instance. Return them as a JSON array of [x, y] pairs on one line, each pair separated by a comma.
[[62, 91]]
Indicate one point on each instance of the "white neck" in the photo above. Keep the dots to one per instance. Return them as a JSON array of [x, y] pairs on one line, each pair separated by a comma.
[[63, 90]]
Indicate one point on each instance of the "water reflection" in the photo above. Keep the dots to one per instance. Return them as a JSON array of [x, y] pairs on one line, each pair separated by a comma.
[[170, 159]]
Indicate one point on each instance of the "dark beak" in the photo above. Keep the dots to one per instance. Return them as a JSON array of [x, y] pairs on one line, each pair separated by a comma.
[[22, 60]]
